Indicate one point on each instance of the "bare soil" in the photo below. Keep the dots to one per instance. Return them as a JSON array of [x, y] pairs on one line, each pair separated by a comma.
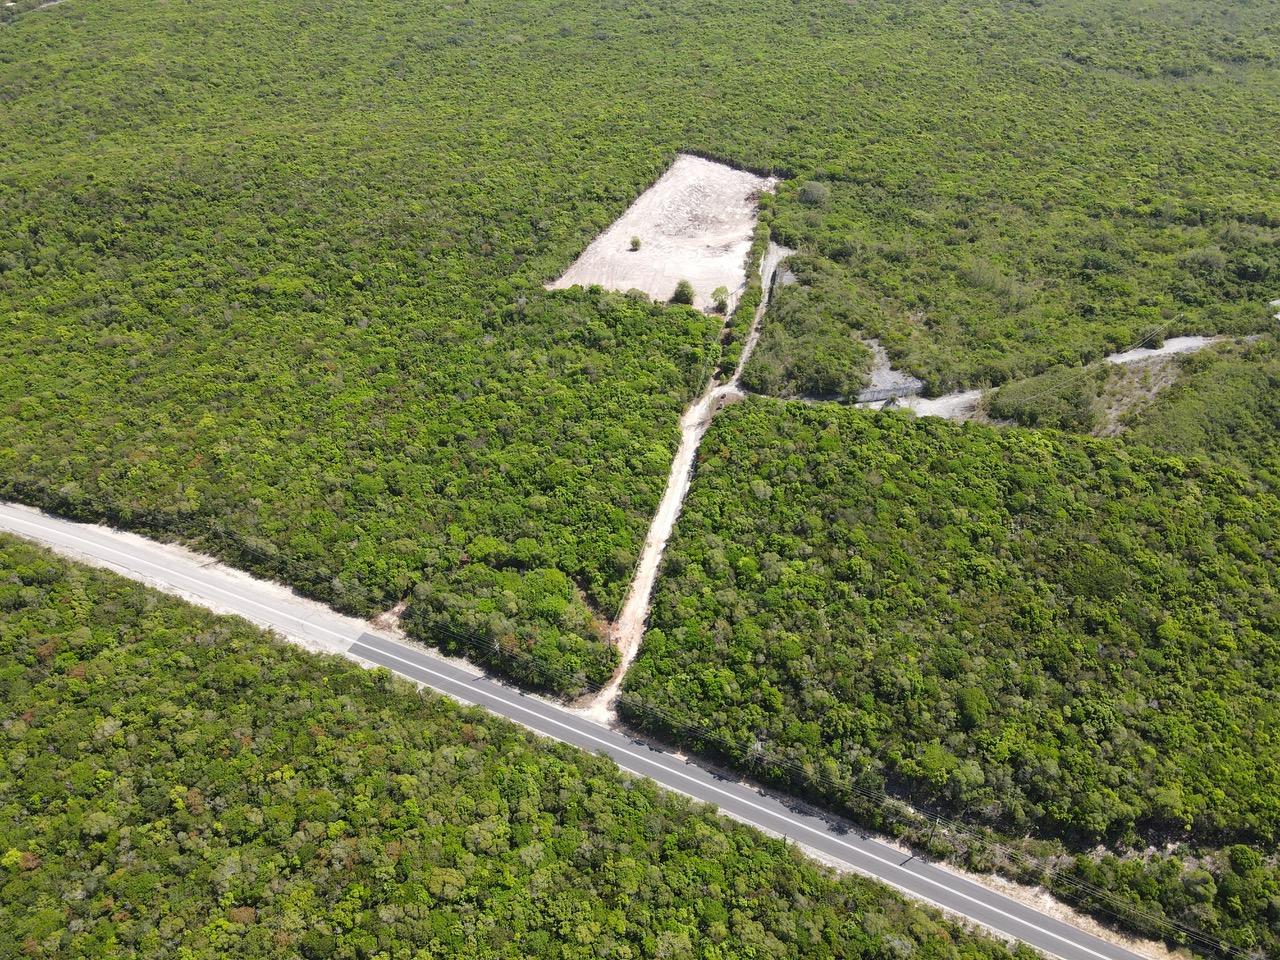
[[694, 224], [883, 374]]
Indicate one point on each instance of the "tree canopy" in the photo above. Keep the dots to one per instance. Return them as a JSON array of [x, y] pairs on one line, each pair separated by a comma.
[[1030, 630], [177, 784]]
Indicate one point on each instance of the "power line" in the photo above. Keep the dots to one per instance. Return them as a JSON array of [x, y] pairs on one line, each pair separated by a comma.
[[1086, 370]]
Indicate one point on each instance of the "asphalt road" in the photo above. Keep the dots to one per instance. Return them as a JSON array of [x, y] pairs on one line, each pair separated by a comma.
[[315, 626]]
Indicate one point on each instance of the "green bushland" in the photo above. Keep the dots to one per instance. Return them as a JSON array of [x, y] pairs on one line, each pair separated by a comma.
[[271, 272], [1029, 631], [1221, 403], [980, 284], [177, 784], [809, 341], [1064, 398], [1225, 406], [271, 276]]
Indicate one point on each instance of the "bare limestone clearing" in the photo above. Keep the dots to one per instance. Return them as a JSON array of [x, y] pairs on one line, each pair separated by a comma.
[[694, 224], [884, 376]]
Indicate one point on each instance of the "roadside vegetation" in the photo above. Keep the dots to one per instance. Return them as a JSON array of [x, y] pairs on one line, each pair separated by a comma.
[[1032, 632], [177, 784]]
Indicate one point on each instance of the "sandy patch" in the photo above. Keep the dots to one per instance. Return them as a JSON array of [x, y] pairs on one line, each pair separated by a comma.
[[389, 620], [1170, 346], [694, 224]]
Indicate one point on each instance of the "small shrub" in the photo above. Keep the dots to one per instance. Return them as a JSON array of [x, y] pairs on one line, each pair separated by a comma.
[[635, 243], [814, 194], [683, 293]]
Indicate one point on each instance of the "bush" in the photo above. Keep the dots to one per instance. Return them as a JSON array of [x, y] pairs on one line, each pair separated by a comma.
[[814, 194], [683, 293]]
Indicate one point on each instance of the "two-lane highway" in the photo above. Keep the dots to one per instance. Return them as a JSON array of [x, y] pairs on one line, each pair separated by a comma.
[[206, 582]]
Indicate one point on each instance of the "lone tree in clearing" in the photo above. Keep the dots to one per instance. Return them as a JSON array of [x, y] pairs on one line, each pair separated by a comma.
[[684, 293], [635, 243], [720, 297]]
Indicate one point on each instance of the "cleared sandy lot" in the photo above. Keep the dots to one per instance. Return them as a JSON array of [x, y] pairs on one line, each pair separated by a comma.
[[694, 224]]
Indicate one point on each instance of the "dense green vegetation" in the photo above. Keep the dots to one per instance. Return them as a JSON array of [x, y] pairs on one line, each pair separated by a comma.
[[175, 784], [971, 279], [271, 272], [308, 347], [809, 342], [960, 300], [1035, 631], [738, 324], [1225, 406]]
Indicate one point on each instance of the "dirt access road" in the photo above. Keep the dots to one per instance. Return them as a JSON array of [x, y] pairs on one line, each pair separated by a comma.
[[628, 629]]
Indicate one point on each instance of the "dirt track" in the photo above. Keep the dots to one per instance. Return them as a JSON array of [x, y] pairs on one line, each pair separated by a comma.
[[628, 629]]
